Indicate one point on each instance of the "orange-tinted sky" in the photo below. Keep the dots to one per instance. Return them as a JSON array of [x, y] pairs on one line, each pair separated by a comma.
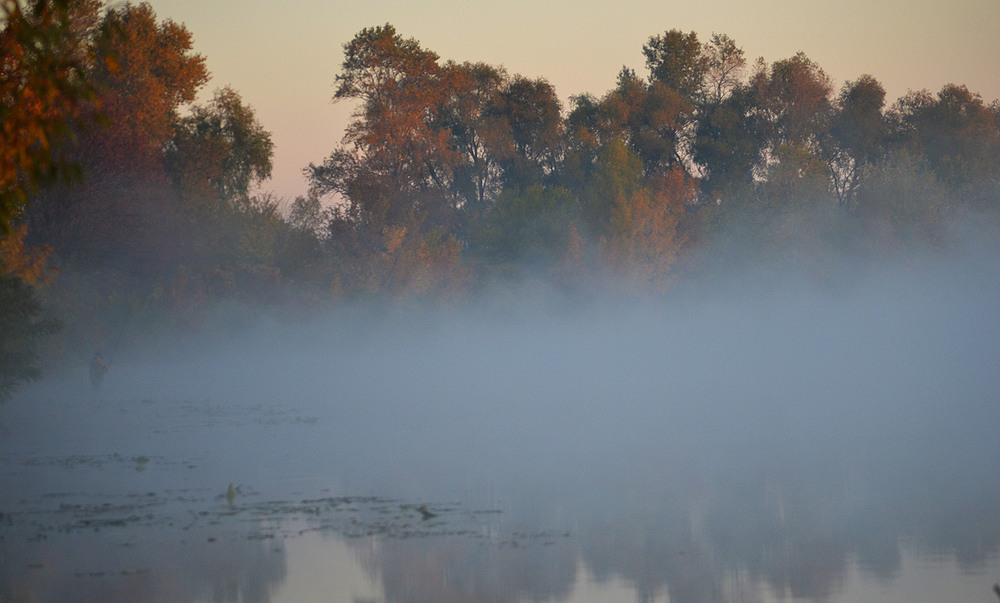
[[282, 56]]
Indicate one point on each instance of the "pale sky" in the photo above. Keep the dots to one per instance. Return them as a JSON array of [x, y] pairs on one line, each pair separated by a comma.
[[282, 57]]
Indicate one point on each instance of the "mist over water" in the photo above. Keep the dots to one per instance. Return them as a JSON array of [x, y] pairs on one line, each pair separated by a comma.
[[720, 424]]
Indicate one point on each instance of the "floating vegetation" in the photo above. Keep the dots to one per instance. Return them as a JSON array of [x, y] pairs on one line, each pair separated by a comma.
[[244, 518]]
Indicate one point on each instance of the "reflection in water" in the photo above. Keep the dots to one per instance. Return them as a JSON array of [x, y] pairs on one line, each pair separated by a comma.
[[745, 537], [114, 563], [805, 519]]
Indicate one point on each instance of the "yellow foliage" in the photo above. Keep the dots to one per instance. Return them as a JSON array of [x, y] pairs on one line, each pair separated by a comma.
[[411, 264]]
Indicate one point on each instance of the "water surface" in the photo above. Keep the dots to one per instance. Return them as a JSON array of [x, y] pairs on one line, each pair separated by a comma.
[[774, 448]]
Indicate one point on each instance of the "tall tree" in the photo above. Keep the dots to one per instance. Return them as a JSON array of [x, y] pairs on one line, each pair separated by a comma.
[[480, 132], [728, 144], [793, 96], [533, 114], [792, 101], [725, 63], [217, 153], [146, 72], [394, 164], [858, 133]]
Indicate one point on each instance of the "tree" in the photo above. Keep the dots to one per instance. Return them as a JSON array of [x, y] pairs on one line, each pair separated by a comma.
[[45, 91], [728, 145], [22, 324], [218, 151], [23, 327], [533, 226], [643, 239], [902, 203], [480, 133], [533, 114], [793, 97], [675, 59], [395, 164], [858, 134], [956, 132], [648, 118], [617, 176], [145, 71], [793, 109], [725, 63]]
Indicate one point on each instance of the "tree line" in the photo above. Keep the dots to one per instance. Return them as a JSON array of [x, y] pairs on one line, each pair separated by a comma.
[[121, 195]]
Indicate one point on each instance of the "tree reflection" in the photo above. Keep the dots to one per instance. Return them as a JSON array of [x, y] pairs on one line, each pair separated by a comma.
[[796, 525], [127, 565]]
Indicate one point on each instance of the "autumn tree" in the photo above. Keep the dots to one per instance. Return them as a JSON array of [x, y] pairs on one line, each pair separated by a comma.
[[45, 92], [644, 238], [793, 96], [146, 71], [394, 164], [792, 102]]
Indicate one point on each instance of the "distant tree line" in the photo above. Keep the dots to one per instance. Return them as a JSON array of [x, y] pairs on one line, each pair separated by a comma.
[[120, 195]]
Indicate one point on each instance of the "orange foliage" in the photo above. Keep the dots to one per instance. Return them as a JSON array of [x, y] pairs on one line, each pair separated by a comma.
[[644, 240], [30, 264]]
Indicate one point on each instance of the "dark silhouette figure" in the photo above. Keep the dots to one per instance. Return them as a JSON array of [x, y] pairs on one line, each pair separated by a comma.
[[97, 369]]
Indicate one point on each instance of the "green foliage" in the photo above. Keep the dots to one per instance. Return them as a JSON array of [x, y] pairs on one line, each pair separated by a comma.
[[532, 226], [729, 145], [675, 59], [858, 135], [956, 132], [218, 151], [617, 175], [532, 111]]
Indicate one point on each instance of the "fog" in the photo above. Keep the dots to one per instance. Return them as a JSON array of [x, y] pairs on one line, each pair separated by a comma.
[[848, 407], [893, 362]]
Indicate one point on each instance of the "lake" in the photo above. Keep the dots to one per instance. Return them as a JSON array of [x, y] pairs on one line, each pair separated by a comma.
[[766, 448]]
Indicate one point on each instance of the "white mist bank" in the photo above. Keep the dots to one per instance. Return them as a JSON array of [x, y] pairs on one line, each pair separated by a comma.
[[907, 352]]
